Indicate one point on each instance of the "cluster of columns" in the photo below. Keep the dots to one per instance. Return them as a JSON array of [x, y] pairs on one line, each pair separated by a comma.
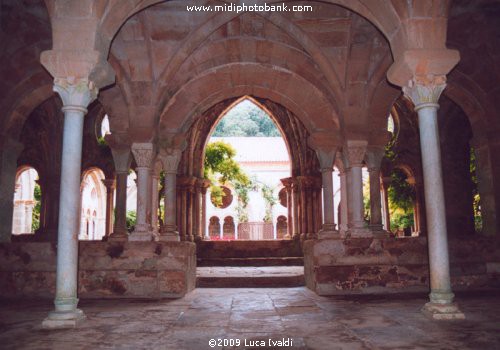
[[303, 198], [78, 94]]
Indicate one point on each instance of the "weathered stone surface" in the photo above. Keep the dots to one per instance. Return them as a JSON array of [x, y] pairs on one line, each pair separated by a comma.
[[368, 265], [106, 270]]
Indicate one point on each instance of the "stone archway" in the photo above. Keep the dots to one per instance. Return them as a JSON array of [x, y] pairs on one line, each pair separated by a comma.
[[305, 176]]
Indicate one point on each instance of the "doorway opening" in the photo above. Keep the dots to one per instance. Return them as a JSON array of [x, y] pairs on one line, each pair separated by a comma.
[[246, 157]]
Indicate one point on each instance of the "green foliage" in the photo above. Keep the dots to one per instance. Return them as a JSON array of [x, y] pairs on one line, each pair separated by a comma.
[[401, 198], [131, 220], [35, 223], [101, 141], [221, 169], [271, 200], [246, 119], [401, 193], [476, 199]]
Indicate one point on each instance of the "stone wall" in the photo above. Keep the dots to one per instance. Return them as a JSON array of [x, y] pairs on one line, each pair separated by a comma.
[[106, 270], [368, 265]]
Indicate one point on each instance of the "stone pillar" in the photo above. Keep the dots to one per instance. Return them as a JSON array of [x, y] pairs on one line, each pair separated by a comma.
[[288, 183], [425, 97], [296, 209], [386, 181], [344, 217], [190, 195], [326, 156], [76, 96], [110, 189], [374, 157], [354, 152], [122, 158], [170, 159], [155, 178], [9, 152], [205, 185], [143, 154]]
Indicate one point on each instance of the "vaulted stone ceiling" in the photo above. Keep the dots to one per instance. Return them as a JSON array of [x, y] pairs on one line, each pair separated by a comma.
[[325, 66], [328, 67]]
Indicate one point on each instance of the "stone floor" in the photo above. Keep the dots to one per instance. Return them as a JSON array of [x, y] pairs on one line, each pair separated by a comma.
[[254, 315]]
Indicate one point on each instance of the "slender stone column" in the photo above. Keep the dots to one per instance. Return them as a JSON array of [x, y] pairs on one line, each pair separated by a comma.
[[170, 159], [287, 183], [110, 189], [326, 158], [374, 158], [76, 96], [296, 200], [122, 158], [190, 195], [354, 153], [204, 187], [344, 217], [155, 178], [10, 150], [425, 97], [143, 154], [385, 209]]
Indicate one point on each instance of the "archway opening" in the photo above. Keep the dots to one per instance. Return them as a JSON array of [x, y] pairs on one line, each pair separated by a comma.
[[27, 202], [93, 205], [246, 157]]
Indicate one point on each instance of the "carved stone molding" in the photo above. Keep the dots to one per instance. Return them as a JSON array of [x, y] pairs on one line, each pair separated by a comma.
[[424, 92], [354, 152], [373, 158], [75, 94], [170, 158], [143, 154], [122, 159]]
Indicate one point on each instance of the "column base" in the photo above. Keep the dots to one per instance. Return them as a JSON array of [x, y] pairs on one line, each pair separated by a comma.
[[141, 235], [170, 236], [437, 311], [63, 319], [118, 237], [328, 234], [359, 232], [378, 231], [311, 236]]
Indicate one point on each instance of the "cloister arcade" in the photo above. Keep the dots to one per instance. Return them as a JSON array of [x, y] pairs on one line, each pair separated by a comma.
[[332, 80]]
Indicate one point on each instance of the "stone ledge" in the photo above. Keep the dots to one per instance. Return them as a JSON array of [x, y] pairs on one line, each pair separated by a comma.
[[387, 265], [106, 269]]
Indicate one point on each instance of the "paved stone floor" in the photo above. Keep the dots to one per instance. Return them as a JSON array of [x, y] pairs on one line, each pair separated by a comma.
[[254, 315]]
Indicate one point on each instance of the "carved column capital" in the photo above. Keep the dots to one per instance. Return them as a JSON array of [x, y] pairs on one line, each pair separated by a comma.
[[143, 154], [287, 183], [75, 94], [354, 152], [170, 158], [373, 157], [425, 91], [110, 184], [122, 158]]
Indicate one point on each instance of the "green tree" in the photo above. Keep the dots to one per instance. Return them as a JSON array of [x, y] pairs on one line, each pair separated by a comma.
[[246, 119], [221, 169], [401, 197], [35, 223], [476, 199], [131, 220]]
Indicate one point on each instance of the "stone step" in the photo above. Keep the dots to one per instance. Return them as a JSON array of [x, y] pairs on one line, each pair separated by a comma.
[[248, 249], [250, 277], [270, 261]]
